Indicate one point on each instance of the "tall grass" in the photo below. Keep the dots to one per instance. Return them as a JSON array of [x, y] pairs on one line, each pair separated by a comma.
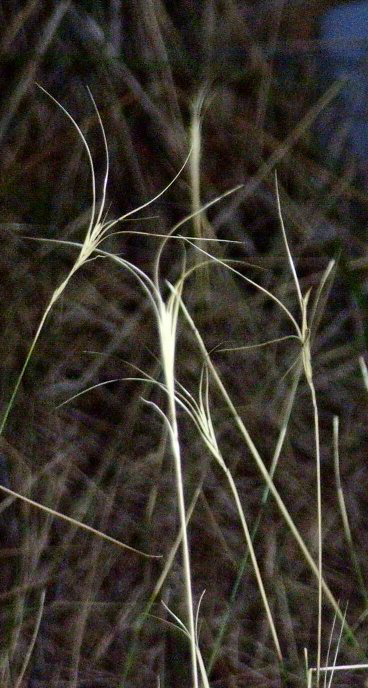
[[166, 314], [194, 522]]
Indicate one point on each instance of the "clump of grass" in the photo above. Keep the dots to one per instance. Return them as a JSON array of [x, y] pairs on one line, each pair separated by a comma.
[[166, 314], [199, 412], [168, 304]]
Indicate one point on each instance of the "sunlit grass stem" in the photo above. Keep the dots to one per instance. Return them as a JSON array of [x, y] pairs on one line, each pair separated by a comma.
[[308, 371], [167, 326]]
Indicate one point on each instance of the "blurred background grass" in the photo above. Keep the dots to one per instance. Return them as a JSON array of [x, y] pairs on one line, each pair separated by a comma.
[[103, 458]]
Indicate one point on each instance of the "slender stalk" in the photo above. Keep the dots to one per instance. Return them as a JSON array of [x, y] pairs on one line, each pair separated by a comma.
[[128, 665], [344, 514], [307, 365], [76, 523], [28, 654], [265, 495], [185, 544], [319, 526], [55, 296], [167, 322], [254, 562]]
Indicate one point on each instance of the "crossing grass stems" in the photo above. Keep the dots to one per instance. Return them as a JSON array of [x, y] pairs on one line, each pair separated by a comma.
[[168, 306]]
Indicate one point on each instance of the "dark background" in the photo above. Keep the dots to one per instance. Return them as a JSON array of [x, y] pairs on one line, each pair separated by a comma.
[[266, 69]]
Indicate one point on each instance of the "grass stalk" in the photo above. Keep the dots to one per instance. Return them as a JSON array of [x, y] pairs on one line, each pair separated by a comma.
[[28, 654], [175, 446], [200, 414], [75, 522], [181, 627], [54, 298], [129, 662], [265, 474], [307, 365], [264, 499], [344, 514], [319, 526], [167, 325]]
